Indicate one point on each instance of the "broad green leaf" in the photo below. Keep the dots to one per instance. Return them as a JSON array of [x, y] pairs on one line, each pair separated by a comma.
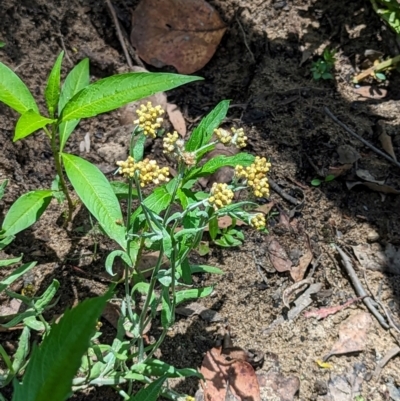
[[6, 241], [194, 293], [2, 44], [244, 159], [14, 93], [213, 227], [45, 299], [54, 363], [167, 317], [138, 148], [16, 274], [205, 269], [25, 211], [110, 260], [52, 91], [22, 350], [151, 392], [110, 93], [30, 122], [97, 195], [204, 131], [121, 189], [8, 262], [76, 80]]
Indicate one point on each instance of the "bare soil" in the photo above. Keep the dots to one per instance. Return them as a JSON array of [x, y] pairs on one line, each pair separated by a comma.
[[262, 65]]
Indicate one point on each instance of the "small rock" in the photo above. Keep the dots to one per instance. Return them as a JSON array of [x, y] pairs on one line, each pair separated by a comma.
[[372, 236], [321, 387], [279, 4]]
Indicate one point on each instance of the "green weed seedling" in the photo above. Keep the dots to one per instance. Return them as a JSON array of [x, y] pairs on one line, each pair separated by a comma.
[[322, 68], [160, 214], [316, 182]]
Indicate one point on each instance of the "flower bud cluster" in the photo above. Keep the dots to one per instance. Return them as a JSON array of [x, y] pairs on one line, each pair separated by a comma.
[[175, 147], [149, 171], [236, 137], [255, 176], [258, 221], [221, 195], [150, 119]]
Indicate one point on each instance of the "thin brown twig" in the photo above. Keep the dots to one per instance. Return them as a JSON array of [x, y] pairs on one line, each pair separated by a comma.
[[282, 193], [119, 33], [244, 39], [366, 143], [64, 48], [367, 300]]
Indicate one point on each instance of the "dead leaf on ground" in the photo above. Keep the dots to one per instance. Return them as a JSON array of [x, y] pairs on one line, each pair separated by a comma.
[[347, 154], [337, 171], [278, 256], [176, 118], [386, 140], [352, 335], [294, 290], [275, 386], [371, 92], [297, 272], [220, 372], [322, 313], [195, 308], [385, 189], [181, 33]]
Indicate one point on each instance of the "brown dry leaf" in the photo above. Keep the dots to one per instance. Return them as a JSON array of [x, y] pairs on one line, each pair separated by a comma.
[[275, 386], [387, 145], [347, 154], [322, 313], [352, 335], [195, 308], [337, 171], [148, 261], [176, 117], [221, 372], [278, 256], [385, 189], [371, 92], [181, 33], [297, 272]]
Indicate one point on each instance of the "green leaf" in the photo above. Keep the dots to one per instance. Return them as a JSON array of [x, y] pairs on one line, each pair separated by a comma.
[[14, 93], [3, 187], [155, 367], [53, 365], [110, 260], [25, 211], [244, 159], [138, 148], [8, 262], [76, 80], [213, 227], [2, 44], [194, 293], [329, 177], [52, 91], [6, 241], [97, 195], [151, 392], [316, 182], [380, 76], [16, 274], [205, 269], [204, 131], [30, 122], [327, 75], [44, 300], [167, 317], [110, 93]]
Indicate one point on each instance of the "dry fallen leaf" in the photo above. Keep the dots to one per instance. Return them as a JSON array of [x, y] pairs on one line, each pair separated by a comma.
[[352, 335], [371, 92], [278, 256], [196, 308], [176, 118], [297, 272], [275, 386], [324, 312], [181, 33], [386, 140], [221, 373], [385, 189]]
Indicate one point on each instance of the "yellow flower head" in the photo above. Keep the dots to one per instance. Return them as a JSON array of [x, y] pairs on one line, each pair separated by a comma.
[[255, 176], [170, 142], [236, 138], [258, 221], [149, 171], [221, 195], [150, 119]]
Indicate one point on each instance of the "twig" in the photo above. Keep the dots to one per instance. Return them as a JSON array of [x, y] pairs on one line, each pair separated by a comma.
[[360, 289], [366, 143], [64, 48], [391, 63], [119, 33], [381, 364], [244, 39], [282, 193]]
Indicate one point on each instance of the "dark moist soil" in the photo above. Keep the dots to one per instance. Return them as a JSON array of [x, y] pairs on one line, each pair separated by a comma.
[[280, 107]]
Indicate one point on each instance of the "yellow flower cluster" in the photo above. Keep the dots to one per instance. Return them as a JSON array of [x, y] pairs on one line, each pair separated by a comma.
[[149, 171], [255, 176], [150, 119], [221, 195], [258, 221], [236, 138], [169, 142]]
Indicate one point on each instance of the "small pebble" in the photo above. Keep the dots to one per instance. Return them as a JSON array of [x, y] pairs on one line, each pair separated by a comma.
[[372, 236]]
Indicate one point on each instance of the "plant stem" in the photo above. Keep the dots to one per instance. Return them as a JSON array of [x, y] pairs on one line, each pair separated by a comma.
[[58, 164]]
